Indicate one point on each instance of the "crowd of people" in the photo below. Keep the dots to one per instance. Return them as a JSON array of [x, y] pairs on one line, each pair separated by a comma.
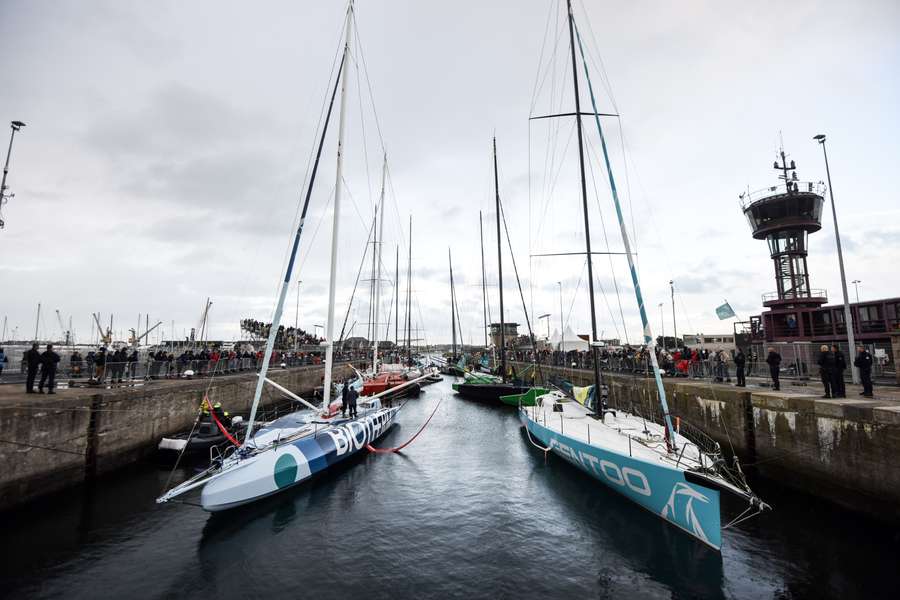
[[127, 364], [287, 336]]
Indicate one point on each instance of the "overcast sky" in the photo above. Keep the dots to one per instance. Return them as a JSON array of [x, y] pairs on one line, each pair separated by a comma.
[[167, 145]]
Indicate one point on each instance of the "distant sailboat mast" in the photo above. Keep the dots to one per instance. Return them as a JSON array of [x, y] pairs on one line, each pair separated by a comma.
[[378, 270], [500, 267], [483, 282]]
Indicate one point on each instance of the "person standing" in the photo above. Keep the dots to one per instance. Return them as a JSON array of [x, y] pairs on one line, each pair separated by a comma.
[[32, 360], [345, 397], [838, 388], [826, 370], [863, 362], [352, 395], [739, 361], [774, 362], [49, 360], [3, 361]]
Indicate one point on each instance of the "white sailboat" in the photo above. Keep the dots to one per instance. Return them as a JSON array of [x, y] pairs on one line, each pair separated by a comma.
[[295, 447], [675, 473]]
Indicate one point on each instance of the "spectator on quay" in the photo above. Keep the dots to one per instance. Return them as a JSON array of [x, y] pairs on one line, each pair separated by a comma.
[[89, 361], [32, 361], [49, 360], [774, 362], [76, 363], [739, 361], [100, 365], [3, 360], [838, 387], [863, 362], [826, 370], [132, 363]]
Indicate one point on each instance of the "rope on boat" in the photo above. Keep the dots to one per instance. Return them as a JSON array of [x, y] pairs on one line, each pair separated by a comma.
[[372, 448], [221, 427]]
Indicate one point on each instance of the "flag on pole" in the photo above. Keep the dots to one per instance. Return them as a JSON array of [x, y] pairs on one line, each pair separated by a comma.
[[725, 312]]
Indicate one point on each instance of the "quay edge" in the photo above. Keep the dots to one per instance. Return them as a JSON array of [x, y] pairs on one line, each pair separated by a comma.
[[97, 431]]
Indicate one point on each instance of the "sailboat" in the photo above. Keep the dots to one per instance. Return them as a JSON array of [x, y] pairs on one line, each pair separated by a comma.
[[295, 447], [488, 388], [673, 471]]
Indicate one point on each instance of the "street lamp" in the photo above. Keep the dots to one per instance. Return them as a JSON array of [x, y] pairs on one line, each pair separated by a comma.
[[15, 126], [662, 328], [856, 283], [562, 325], [848, 317]]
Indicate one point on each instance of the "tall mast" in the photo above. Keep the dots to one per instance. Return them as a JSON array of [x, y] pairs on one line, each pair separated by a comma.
[[273, 332], [370, 335], [409, 295], [396, 297], [452, 304], [483, 282], [378, 271], [648, 334], [500, 268], [338, 185], [584, 201], [37, 322]]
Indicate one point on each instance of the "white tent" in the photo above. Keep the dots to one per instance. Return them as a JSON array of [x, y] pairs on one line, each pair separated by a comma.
[[571, 341]]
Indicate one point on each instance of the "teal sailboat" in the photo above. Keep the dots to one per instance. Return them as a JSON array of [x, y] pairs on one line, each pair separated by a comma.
[[673, 471]]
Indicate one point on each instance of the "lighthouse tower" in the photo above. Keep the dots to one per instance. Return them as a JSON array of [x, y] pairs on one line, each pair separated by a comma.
[[784, 215]]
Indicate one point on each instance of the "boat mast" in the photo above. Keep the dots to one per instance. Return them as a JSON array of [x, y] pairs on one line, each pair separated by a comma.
[[483, 282], [648, 334], [587, 229], [452, 305], [378, 270], [396, 298], [273, 331], [338, 185], [409, 295], [500, 268]]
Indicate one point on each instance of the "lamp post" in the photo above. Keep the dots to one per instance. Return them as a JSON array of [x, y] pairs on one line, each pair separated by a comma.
[[856, 283], [15, 126], [662, 322], [848, 317]]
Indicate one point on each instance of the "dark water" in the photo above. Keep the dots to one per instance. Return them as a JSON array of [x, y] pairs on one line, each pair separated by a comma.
[[470, 509]]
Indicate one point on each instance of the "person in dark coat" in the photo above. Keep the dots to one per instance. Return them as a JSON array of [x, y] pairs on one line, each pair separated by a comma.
[[739, 361], [863, 362], [352, 395], [49, 360], [838, 387], [826, 370], [32, 360], [774, 362], [345, 397]]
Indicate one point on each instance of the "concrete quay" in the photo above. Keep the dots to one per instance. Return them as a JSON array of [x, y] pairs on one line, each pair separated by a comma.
[[49, 443], [845, 450]]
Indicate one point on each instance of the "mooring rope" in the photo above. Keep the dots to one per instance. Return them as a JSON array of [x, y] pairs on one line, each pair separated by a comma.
[[372, 448]]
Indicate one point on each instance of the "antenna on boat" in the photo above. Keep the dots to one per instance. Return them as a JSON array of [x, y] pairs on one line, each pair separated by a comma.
[[587, 230]]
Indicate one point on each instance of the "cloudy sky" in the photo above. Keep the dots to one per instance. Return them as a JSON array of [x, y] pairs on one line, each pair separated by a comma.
[[167, 146]]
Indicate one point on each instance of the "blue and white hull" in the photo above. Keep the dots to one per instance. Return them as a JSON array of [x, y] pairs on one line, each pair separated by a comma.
[[244, 480], [639, 473]]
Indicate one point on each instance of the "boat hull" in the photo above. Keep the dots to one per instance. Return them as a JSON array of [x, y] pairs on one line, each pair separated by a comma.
[[488, 392], [662, 490], [285, 466]]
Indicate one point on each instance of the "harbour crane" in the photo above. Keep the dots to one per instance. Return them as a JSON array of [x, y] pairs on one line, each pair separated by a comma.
[[136, 339], [62, 328]]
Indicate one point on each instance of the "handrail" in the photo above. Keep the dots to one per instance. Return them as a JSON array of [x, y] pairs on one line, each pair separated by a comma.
[[748, 198]]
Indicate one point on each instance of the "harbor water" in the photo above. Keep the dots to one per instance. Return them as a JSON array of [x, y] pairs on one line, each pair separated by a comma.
[[470, 509]]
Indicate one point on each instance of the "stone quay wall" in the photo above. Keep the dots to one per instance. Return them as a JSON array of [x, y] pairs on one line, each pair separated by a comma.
[[64, 440], [845, 450]]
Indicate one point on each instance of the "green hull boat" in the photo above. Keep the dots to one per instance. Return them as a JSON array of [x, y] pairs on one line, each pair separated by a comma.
[[526, 399]]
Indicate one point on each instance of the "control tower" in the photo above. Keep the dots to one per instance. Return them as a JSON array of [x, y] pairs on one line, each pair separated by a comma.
[[784, 215]]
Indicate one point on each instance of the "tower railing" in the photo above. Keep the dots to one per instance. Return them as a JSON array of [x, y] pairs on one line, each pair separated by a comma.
[[782, 188], [795, 295]]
